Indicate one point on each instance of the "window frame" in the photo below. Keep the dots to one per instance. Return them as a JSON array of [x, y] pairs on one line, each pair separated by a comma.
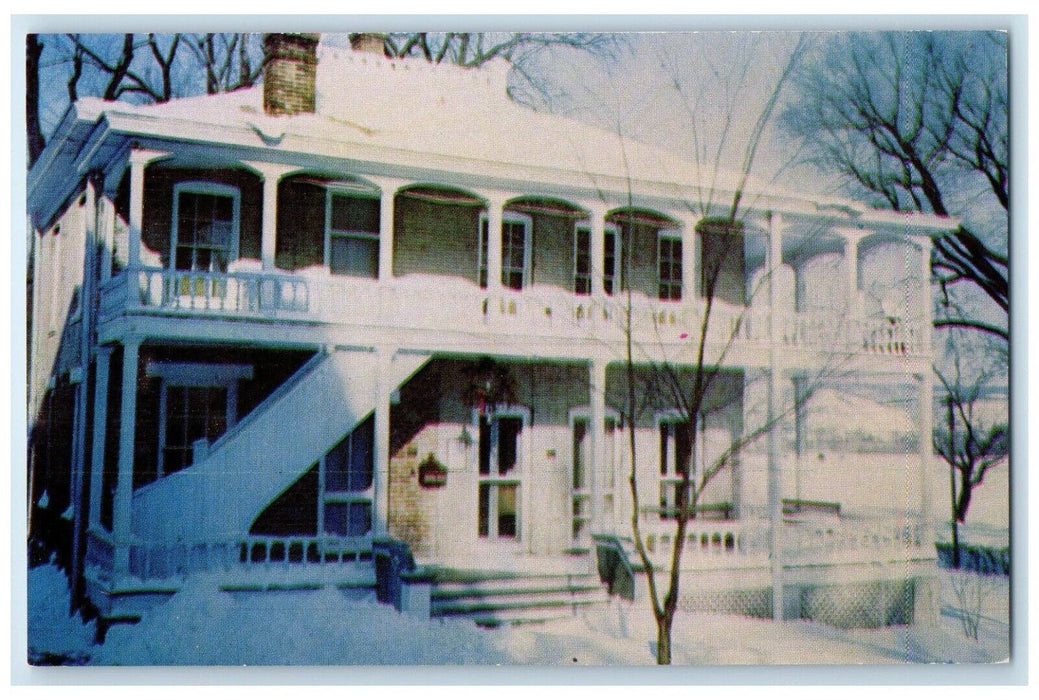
[[615, 276], [195, 375], [483, 246], [608, 472], [494, 479], [671, 235], [579, 228], [667, 474], [369, 236], [215, 189], [347, 497]]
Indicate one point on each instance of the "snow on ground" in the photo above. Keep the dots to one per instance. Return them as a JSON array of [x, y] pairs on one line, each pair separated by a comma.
[[53, 635], [203, 626]]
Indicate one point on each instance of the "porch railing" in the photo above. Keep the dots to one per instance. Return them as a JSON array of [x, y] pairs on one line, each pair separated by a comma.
[[454, 304], [249, 294], [152, 561], [740, 542]]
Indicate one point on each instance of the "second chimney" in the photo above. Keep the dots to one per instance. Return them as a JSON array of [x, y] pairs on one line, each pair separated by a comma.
[[290, 73]]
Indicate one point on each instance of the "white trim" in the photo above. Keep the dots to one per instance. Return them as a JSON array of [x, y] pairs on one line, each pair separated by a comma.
[[217, 189]]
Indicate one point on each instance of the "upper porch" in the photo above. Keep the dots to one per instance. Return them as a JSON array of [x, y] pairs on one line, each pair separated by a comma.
[[271, 242]]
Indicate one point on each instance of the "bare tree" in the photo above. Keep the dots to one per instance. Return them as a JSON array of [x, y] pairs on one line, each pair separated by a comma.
[[136, 67], [970, 441], [918, 121], [687, 387]]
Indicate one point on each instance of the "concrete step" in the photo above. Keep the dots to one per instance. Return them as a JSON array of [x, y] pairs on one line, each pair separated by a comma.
[[510, 609], [493, 598]]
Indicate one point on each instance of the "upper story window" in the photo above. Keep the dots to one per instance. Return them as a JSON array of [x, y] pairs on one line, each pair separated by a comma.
[[612, 269], [352, 234], [582, 260], [515, 250], [206, 220], [669, 265]]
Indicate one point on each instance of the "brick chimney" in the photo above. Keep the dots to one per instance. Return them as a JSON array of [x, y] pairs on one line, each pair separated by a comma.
[[368, 42], [290, 73]]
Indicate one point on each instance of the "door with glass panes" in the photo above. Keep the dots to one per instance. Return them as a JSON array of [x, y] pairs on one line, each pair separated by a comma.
[[498, 509], [582, 462]]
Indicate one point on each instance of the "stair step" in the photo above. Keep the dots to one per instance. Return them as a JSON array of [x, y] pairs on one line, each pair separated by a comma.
[[480, 592], [484, 582], [486, 606]]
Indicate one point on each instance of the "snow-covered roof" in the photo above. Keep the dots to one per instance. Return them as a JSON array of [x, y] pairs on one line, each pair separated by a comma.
[[411, 114]]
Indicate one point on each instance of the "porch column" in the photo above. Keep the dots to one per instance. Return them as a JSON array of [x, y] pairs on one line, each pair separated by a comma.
[[927, 325], [689, 271], [775, 513], [597, 397], [106, 236], [851, 270], [597, 245], [271, 174], [124, 480], [139, 160], [381, 473], [495, 207], [388, 188], [79, 440], [97, 452], [926, 382]]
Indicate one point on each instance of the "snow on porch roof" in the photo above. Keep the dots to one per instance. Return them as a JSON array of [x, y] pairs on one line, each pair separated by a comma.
[[410, 113]]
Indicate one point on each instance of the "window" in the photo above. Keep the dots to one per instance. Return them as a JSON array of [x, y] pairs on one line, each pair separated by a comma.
[[611, 263], [498, 498], [352, 224], [205, 226], [515, 251], [669, 266], [191, 413], [346, 482], [582, 260], [482, 262], [581, 466], [676, 456], [196, 400]]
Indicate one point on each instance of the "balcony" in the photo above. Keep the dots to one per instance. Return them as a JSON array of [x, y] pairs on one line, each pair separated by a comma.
[[451, 305]]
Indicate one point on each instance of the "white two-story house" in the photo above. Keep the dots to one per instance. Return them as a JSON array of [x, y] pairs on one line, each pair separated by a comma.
[[377, 298]]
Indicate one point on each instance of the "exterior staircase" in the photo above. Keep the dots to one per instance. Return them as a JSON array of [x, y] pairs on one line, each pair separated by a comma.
[[496, 598], [218, 496]]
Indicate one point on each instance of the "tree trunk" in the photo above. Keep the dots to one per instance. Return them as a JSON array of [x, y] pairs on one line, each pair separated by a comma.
[[963, 502], [664, 639], [33, 50]]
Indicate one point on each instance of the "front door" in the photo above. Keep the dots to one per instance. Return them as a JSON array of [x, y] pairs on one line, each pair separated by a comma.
[[499, 477]]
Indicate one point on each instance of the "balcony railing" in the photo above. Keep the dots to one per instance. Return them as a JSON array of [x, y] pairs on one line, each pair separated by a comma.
[[236, 294], [451, 304], [736, 543]]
